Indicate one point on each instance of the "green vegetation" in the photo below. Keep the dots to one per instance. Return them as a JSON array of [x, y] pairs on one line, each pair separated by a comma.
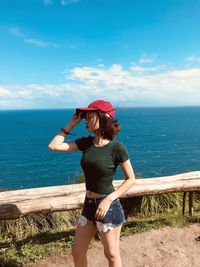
[[34, 237], [77, 179]]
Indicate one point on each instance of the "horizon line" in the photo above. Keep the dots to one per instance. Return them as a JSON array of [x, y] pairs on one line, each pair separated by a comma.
[[135, 107]]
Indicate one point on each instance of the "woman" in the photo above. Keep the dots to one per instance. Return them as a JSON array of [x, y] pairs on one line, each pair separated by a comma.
[[101, 155]]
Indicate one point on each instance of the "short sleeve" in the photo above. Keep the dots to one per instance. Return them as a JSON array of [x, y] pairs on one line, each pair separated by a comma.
[[84, 142], [122, 154]]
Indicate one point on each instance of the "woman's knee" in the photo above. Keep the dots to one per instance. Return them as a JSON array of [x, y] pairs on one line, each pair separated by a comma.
[[111, 255], [78, 252], [74, 252]]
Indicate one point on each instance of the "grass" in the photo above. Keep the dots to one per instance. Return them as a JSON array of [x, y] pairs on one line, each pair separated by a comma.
[[16, 251], [34, 237], [38, 236]]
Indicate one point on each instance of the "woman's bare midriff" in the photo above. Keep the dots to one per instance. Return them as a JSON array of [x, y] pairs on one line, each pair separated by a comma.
[[91, 194]]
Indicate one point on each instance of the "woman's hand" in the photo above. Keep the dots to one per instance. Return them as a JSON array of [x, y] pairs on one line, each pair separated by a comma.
[[76, 119], [103, 208]]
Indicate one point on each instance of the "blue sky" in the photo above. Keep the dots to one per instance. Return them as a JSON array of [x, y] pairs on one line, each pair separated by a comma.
[[67, 53]]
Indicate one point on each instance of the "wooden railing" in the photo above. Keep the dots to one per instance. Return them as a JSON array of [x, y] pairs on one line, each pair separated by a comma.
[[19, 203]]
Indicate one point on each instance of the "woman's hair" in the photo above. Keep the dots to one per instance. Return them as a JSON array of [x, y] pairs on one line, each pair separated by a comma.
[[109, 127]]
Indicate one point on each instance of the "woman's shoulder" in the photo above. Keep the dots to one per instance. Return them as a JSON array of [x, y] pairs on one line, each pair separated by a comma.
[[84, 142], [88, 138], [117, 143], [121, 152], [118, 146]]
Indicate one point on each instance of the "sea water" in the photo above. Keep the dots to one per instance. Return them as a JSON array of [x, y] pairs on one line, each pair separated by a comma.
[[160, 141]]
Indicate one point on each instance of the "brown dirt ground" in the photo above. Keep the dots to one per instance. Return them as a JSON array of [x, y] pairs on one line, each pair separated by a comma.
[[166, 247]]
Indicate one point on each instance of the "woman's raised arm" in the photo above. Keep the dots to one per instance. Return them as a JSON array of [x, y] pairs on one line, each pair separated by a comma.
[[58, 144]]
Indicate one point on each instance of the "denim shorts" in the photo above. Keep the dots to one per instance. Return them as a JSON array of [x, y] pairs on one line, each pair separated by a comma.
[[113, 218]]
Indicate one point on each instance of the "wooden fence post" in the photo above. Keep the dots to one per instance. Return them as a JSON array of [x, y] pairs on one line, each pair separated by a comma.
[[191, 203], [184, 198]]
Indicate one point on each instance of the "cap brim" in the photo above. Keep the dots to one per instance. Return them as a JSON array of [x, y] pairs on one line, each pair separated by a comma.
[[83, 111]]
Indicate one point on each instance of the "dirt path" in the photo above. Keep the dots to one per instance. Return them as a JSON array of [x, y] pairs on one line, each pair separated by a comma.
[[166, 247]]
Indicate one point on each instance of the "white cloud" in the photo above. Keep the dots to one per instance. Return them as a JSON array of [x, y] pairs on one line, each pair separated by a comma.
[[62, 2], [193, 59], [188, 73], [40, 43], [47, 89], [25, 94], [16, 31], [145, 59], [141, 69], [100, 60], [180, 87], [48, 2], [75, 45], [4, 92], [123, 87], [67, 2]]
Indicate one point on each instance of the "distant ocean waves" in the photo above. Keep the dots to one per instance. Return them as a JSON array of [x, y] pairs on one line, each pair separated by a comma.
[[160, 141]]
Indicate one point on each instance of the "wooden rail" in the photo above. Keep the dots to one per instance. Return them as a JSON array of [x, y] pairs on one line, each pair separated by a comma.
[[18, 203]]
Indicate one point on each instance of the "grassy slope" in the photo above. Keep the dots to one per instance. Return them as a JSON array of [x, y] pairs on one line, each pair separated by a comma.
[[35, 237]]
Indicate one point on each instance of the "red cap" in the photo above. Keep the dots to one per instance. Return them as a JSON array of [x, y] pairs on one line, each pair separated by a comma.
[[99, 105]]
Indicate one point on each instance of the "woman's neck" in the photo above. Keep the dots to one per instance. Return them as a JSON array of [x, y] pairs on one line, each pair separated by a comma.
[[99, 141]]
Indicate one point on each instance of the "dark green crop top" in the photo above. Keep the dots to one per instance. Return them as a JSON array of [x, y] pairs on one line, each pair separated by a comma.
[[99, 164]]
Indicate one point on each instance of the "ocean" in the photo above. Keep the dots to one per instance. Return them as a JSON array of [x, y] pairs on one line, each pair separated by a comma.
[[160, 141]]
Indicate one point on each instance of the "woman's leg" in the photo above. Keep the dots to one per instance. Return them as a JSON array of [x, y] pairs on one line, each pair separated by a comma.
[[110, 242], [82, 240]]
